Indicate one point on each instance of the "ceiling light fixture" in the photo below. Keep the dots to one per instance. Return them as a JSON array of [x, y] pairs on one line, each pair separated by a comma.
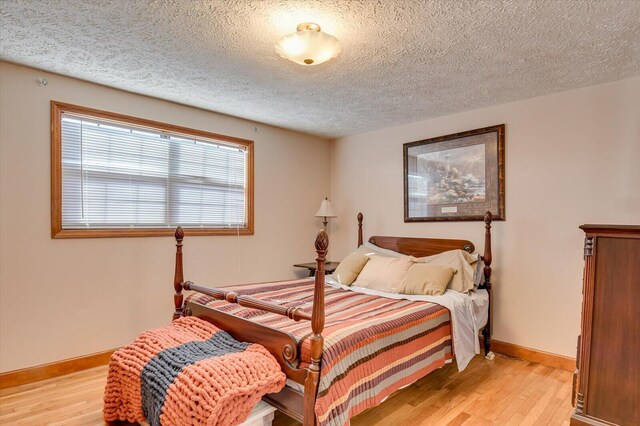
[[308, 46]]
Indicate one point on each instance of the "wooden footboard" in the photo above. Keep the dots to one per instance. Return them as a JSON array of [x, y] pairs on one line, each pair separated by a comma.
[[283, 346]]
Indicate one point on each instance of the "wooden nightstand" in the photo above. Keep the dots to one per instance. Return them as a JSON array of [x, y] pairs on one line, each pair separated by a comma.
[[329, 267]]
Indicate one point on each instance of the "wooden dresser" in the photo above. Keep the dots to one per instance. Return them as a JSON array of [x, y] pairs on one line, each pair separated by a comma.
[[607, 379]]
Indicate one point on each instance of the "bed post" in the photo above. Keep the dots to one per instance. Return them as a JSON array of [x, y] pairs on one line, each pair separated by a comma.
[[486, 332], [317, 325], [178, 277], [360, 229]]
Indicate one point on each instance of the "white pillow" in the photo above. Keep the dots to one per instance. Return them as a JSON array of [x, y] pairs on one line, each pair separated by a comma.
[[459, 260], [369, 249], [384, 273]]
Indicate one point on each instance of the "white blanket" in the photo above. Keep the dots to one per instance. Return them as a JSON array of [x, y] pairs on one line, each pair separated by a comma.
[[469, 314]]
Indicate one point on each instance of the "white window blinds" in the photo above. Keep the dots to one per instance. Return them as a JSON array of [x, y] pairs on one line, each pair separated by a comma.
[[120, 176]]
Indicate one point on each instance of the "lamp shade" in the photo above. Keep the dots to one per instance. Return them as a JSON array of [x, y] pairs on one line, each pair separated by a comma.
[[308, 46], [325, 209]]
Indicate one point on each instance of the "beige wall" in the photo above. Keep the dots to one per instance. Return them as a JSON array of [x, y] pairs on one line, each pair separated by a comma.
[[65, 298], [571, 158]]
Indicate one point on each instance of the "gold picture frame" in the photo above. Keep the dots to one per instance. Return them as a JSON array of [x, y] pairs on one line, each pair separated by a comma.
[[455, 177]]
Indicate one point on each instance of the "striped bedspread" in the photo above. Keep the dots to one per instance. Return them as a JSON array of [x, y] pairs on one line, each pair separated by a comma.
[[373, 346]]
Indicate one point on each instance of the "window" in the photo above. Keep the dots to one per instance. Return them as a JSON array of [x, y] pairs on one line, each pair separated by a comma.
[[114, 175]]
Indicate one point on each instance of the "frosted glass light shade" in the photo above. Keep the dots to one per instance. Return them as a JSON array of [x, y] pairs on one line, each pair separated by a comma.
[[308, 46]]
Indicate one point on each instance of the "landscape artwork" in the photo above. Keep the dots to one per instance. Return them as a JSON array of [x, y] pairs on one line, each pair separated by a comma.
[[455, 177]]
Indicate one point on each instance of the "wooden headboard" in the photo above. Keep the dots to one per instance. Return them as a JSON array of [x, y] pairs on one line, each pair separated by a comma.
[[418, 247]]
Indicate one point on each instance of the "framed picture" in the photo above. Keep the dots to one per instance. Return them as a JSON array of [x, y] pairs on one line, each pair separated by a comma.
[[455, 177]]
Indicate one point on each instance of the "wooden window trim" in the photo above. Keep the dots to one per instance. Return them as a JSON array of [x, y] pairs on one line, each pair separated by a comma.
[[58, 108]]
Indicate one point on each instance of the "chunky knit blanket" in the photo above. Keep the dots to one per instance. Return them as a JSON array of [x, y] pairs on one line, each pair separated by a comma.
[[188, 373]]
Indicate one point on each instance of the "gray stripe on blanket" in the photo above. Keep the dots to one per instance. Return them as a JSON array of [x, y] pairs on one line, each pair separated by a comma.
[[162, 370]]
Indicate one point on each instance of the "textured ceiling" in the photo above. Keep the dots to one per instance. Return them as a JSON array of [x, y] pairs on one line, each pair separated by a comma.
[[402, 60]]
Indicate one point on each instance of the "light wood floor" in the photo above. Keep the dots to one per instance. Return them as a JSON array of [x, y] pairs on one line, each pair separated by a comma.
[[504, 391]]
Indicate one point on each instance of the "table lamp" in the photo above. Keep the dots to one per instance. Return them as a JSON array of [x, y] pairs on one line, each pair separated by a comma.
[[325, 211]]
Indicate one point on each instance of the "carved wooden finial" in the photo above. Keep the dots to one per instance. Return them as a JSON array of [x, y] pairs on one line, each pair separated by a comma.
[[360, 217], [179, 234], [322, 240], [488, 217]]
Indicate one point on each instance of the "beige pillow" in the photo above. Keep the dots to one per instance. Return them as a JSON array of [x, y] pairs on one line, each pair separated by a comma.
[[348, 270], [427, 278], [384, 273], [459, 260]]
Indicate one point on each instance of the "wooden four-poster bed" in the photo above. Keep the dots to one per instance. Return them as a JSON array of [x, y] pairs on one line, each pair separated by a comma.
[[299, 402]]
